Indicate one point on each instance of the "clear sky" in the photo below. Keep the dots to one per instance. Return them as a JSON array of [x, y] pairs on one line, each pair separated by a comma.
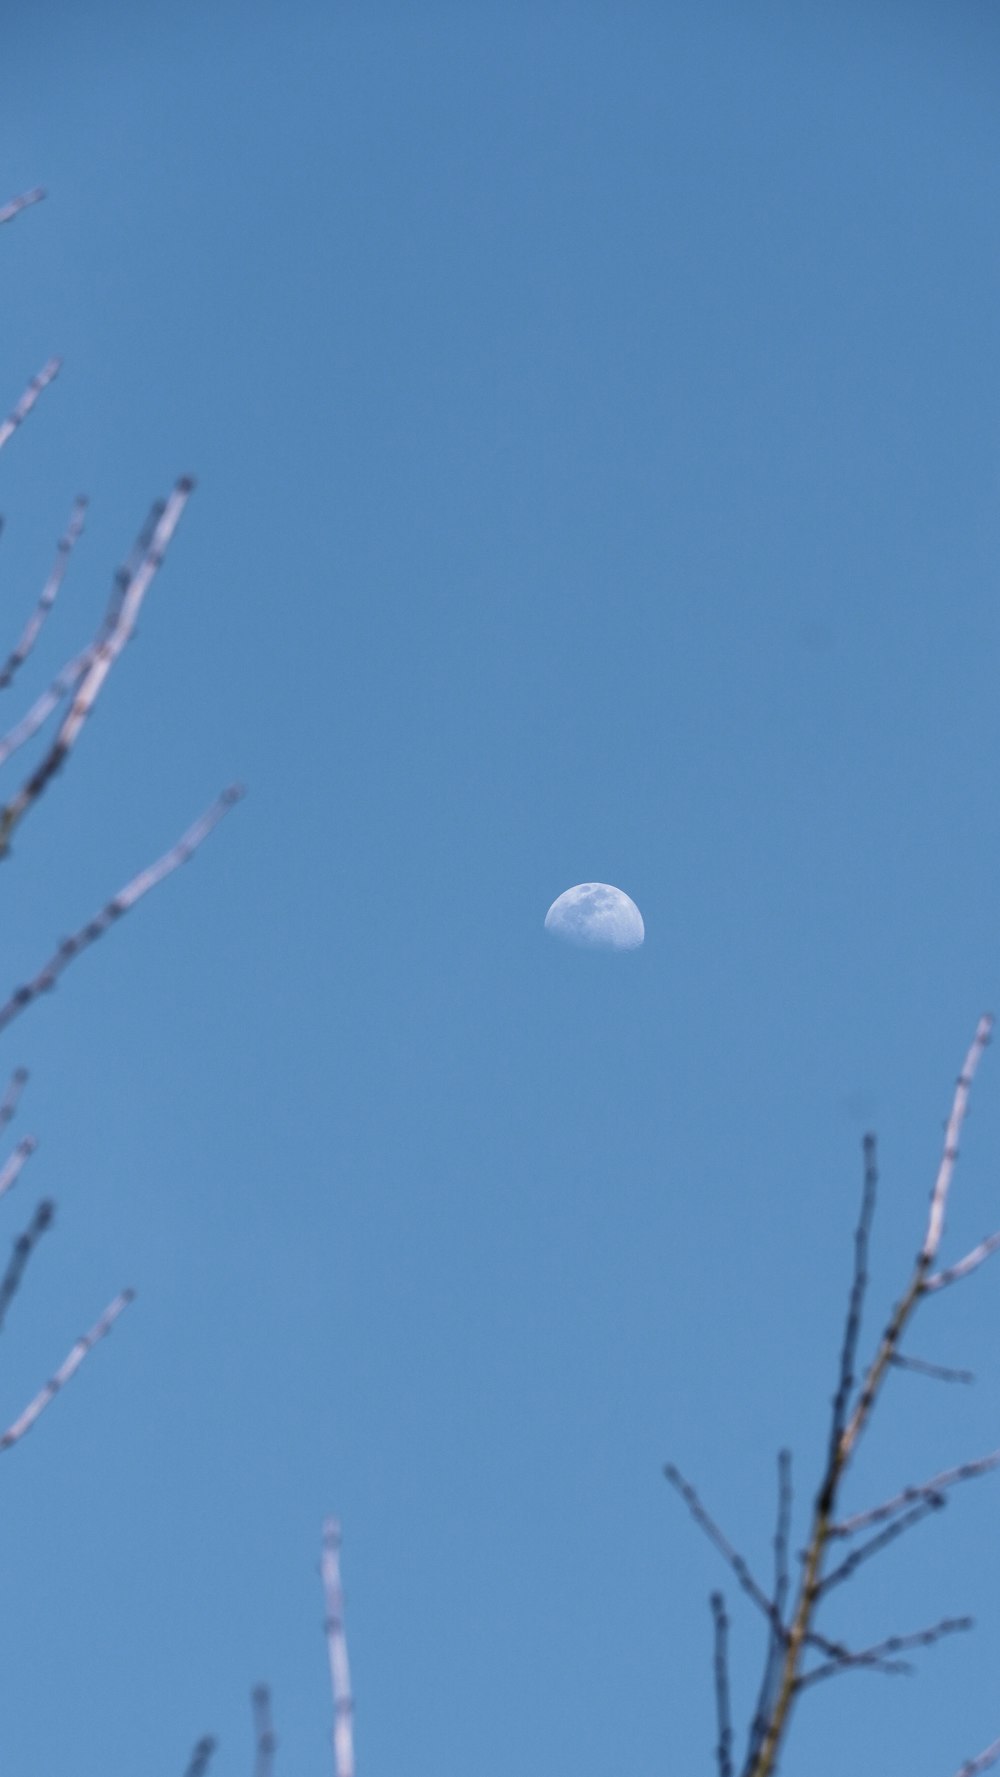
[[596, 411]]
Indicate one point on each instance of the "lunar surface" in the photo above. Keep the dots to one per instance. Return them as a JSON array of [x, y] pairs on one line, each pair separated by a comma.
[[597, 916]]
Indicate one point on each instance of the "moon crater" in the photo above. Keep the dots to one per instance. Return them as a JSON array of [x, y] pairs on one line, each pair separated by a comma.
[[597, 916]]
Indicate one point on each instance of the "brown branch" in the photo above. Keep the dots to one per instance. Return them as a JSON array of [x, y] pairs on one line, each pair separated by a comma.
[[23, 202], [20, 411], [842, 1449], [96, 672], [66, 1370], [119, 904], [12, 1168], [11, 1098], [264, 1736], [24, 1246], [201, 1757], [336, 1643], [50, 592], [777, 1631], [720, 1666]]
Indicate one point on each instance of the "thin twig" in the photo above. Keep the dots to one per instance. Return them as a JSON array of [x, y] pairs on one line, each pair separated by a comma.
[[721, 1542], [336, 1642], [24, 1246], [66, 1370], [776, 1629], [720, 1667], [971, 1262], [17, 204], [50, 592], [953, 1134], [201, 1757], [119, 904], [983, 1762], [264, 1736], [11, 1170], [882, 1654], [11, 1098], [69, 676], [937, 1372], [949, 1477], [934, 1502], [856, 1299], [96, 673], [20, 411]]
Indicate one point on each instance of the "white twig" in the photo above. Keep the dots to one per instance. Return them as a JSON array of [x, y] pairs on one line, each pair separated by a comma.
[[119, 904], [17, 204], [974, 1766], [66, 1370], [20, 412], [10, 1172], [953, 1133], [966, 1471], [971, 1262], [336, 1641], [50, 591], [99, 665]]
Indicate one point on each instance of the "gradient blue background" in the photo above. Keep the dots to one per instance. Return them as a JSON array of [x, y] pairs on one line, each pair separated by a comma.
[[596, 418]]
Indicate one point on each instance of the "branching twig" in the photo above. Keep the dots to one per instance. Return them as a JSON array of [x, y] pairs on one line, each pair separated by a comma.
[[336, 1642], [264, 1736], [971, 1262], [776, 1631], [19, 413], [119, 904], [24, 1246], [50, 592], [721, 1542], [201, 1757], [966, 1471], [11, 1170], [95, 674], [881, 1657], [66, 1370], [17, 204], [720, 1666], [933, 1502]]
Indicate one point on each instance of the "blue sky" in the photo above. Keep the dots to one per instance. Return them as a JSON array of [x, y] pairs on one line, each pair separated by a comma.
[[595, 414]]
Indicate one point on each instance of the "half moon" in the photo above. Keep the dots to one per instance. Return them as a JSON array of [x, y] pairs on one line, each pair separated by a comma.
[[597, 916]]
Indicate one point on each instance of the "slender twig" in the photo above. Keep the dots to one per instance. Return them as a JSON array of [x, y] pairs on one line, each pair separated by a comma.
[[971, 1262], [984, 1761], [937, 1372], [842, 1450], [12, 1167], [856, 1299], [949, 1477], [66, 1370], [720, 1667], [776, 1629], [96, 673], [17, 204], [264, 1736], [11, 1098], [336, 1642], [24, 1246], [20, 411], [69, 676], [201, 1757], [119, 904], [934, 1502], [705, 1522], [50, 592], [882, 1655]]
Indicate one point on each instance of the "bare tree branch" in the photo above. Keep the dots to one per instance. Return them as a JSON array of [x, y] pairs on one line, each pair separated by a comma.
[[11, 1170], [201, 1757], [11, 1098], [264, 1736], [856, 1299], [882, 1655], [953, 1135], [119, 904], [949, 1477], [19, 413], [336, 1642], [971, 1262], [50, 592], [96, 672], [720, 1663], [66, 1370], [17, 204], [934, 1502], [24, 1246], [983, 1762], [720, 1541], [937, 1372]]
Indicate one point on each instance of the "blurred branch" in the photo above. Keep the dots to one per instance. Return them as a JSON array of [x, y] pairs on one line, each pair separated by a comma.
[[934, 1502], [66, 1370], [24, 1246], [881, 1656], [264, 1736], [17, 204], [93, 678], [938, 1372], [971, 1262], [119, 904], [11, 1170], [50, 592], [201, 1757], [336, 1641], [724, 1750], [984, 1762], [926, 1490], [11, 1098], [19, 413]]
